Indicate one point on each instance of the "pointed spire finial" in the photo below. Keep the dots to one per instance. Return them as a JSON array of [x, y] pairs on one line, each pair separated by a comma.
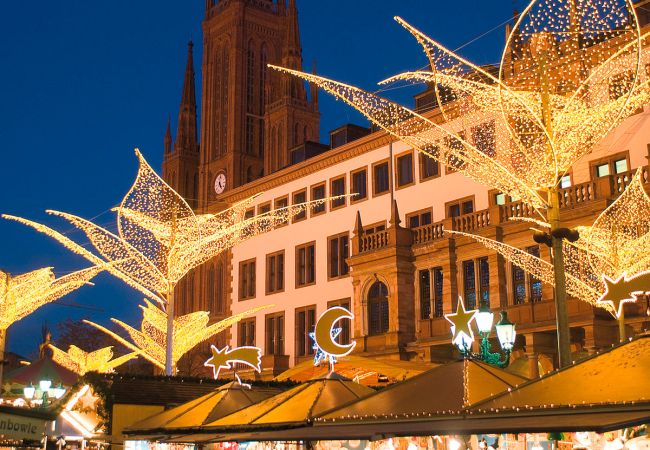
[[186, 134], [394, 215], [168, 135], [358, 226]]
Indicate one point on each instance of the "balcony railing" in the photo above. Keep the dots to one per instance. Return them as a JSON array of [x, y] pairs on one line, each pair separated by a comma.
[[572, 197]]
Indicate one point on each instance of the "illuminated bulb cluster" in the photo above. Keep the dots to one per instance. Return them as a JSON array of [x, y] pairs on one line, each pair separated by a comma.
[[569, 73], [150, 341], [160, 239], [617, 243], [81, 362], [21, 295]]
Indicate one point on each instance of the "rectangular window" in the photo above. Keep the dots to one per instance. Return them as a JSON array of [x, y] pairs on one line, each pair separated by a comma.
[[318, 193], [275, 334], [425, 294], [247, 279], [469, 284], [337, 253], [429, 166], [620, 166], [264, 208], [404, 170], [518, 285], [437, 291], [565, 181], [359, 185], [380, 178], [484, 138], [602, 170], [275, 272], [459, 207], [419, 218], [299, 198], [337, 187], [500, 198], [305, 323], [344, 337], [281, 203], [374, 228], [306, 264], [484, 281], [250, 213], [455, 161], [246, 332], [534, 285]]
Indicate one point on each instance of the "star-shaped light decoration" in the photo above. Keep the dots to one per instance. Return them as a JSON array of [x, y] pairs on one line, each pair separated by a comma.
[[463, 336], [319, 355], [616, 244], [82, 362], [624, 290]]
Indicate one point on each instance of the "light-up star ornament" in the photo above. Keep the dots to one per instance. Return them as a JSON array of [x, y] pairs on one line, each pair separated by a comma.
[[227, 358], [624, 290], [319, 355], [463, 336]]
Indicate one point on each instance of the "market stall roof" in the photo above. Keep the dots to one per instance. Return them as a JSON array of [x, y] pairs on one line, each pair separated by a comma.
[[618, 375], [448, 388], [358, 368], [295, 406], [42, 369], [219, 403]]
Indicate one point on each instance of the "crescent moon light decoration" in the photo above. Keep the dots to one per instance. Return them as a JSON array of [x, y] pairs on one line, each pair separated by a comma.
[[325, 334]]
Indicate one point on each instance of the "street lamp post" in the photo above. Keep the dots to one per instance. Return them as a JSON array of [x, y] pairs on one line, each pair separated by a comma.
[[505, 331], [44, 392]]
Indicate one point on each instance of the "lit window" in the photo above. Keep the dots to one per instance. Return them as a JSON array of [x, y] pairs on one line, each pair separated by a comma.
[[602, 170], [565, 181], [620, 166]]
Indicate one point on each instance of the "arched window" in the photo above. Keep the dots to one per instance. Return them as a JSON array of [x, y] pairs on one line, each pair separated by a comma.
[[377, 308], [225, 86], [210, 289], [189, 299], [296, 134], [305, 133], [249, 174]]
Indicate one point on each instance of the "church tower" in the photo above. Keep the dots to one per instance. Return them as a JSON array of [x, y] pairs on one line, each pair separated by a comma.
[[290, 118], [181, 160], [251, 117]]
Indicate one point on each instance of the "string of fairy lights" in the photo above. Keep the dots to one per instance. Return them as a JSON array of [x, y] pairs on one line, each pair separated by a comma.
[[82, 362]]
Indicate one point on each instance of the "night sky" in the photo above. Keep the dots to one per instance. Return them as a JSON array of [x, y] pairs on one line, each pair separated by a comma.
[[85, 82]]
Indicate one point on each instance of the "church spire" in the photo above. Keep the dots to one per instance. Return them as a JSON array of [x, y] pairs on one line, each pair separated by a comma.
[[293, 51], [168, 137], [186, 134]]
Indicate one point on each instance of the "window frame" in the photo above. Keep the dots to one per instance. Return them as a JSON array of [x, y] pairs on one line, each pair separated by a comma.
[[396, 169], [245, 323], [240, 281], [276, 336], [303, 214], [344, 199], [418, 214], [340, 263], [460, 202], [374, 180], [275, 208], [305, 246], [373, 226], [312, 211], [307, 347], [423, 157], [263, 206], [267, 276], [610, 160], [346, 325], [356, 199]]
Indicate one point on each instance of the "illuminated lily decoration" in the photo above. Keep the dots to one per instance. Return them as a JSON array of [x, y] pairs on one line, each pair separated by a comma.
[[82, 362], [521, 129], [189, 330], [615, 245], [21, 295]]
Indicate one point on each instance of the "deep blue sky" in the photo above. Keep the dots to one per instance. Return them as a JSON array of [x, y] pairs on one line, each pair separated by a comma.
[[84, 82]]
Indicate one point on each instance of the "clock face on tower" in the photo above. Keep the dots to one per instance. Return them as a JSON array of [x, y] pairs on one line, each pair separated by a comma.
[[220, 183]]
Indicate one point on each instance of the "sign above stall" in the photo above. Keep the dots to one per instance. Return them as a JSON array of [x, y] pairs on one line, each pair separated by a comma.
[[624, 289], [20, 427], [227, 359], [325, 335]]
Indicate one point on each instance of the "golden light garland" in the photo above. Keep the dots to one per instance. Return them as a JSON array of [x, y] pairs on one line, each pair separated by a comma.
[[23, 294], [569, 73], [160, 239], [617, 243], [189, 330], [81, 362]]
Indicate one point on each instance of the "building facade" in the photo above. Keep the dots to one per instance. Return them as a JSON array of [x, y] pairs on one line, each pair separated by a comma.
[[381, 252]]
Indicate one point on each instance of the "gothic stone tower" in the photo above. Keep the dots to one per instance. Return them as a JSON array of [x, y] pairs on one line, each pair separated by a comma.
[[251, 116], [181, 161]]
